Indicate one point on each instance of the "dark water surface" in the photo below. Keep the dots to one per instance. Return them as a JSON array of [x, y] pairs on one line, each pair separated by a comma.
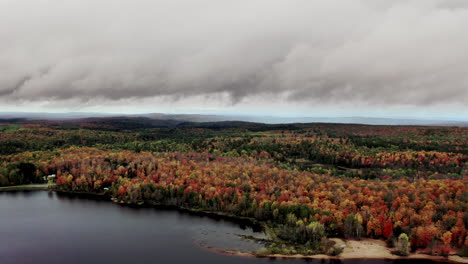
[[46, 227]]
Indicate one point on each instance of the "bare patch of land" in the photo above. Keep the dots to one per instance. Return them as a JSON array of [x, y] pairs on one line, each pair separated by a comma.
[[366, 248]]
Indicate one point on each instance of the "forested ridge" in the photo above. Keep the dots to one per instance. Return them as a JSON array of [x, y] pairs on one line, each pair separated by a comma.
[[305, 181]]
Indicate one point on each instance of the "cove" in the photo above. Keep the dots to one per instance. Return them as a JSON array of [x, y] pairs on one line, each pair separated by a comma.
[[49, 227]]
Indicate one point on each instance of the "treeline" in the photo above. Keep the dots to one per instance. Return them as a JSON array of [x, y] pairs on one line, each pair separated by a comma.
[[339, 152], [40, 136], [370, 149], [35, 139]]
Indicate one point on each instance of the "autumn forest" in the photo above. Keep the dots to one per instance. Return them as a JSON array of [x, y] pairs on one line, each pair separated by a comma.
[[305, 183]]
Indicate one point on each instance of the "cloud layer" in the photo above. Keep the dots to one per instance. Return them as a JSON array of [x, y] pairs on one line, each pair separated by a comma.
[[324, 51]]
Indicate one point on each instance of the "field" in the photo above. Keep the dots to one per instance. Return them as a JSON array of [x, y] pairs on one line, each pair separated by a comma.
[[305, 182]]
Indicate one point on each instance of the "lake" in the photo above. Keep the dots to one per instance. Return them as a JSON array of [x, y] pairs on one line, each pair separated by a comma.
[[48, 227]]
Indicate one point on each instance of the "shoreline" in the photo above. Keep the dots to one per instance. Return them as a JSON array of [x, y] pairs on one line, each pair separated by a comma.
[[366, 248], [218, 214], [30, 187], [414, 256], [104, 196]]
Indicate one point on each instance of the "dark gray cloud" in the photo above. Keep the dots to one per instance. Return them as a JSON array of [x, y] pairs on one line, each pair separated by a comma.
[[371, 51]]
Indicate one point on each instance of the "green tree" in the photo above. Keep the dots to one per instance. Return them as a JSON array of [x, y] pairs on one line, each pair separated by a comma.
[[403, 245], [353, 226], [21, 173]]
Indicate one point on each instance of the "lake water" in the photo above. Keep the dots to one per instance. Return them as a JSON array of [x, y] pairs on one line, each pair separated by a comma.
[[47, 227]]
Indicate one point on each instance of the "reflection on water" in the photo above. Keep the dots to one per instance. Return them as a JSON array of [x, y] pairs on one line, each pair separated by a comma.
[[47, 227]]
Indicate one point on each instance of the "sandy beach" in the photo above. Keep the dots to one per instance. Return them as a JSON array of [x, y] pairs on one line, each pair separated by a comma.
[[354, 249]]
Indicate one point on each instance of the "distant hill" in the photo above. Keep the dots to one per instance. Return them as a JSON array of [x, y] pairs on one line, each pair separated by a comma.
[[169, 120], [51, 116]]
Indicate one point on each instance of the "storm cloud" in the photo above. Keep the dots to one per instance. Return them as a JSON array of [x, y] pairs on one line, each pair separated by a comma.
[[323, 51]]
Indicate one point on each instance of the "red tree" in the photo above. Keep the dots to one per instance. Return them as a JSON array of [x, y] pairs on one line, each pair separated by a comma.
[[388, 228]]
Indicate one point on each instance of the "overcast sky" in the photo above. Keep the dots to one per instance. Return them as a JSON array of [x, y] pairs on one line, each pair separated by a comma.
[[289, 58]]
